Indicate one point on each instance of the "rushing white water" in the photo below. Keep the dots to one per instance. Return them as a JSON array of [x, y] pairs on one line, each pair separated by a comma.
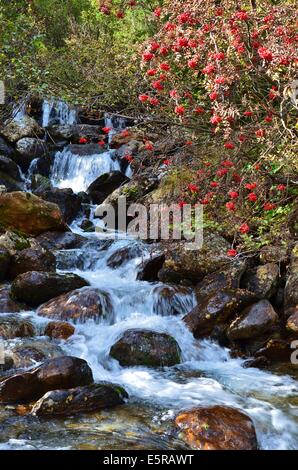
[[115, 123], [207, 374], [57, 112], [77, 172], [19, 112]]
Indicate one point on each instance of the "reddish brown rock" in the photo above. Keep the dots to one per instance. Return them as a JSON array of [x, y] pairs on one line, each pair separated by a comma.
[[254, 321], [276, 350], [7, 304], [59, 373], [123, 138], [80, 400], [292, 324], [217, 428], [4, 262], [35, 288], [78, 305], [13, 326], [59, 330], [216, 309], [31, 259]]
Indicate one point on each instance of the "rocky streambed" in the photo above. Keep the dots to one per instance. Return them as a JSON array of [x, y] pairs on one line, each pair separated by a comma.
[[113, 343]]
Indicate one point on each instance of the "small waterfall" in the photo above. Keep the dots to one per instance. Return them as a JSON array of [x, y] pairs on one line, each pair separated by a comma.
[[19, 112], [57, 112], [116, 123], [77, 172]]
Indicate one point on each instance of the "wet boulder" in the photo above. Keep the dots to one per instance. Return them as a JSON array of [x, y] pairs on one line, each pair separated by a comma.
[[59, 330], [123, 255], [148, 271], [254, 321], [292, 325], [216, 310], [59, 373], [4, 262], [63, 373], [172, 300], [42, 165], [291, 288], [228, 278], [9, 183], [13, 326], [28, 149], [26, 352], [68, 202], [7, 304], [217, 428], [6, 149], [31, 259], [262, 280], [9, 168], [87, 226], [184, 265], [29, 214], [78, 306], [16, 129], [146, 348], [105, 184], [80, 400], [275, 350], [60, 240], [35, 287]]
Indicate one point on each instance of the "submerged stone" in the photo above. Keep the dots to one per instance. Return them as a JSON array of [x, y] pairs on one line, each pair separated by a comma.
[[80, 400]]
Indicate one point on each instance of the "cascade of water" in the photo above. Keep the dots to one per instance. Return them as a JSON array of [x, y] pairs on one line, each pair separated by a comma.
[[207, 375], [116, 123], [79, 171], [75, 171], [19, 112], [57, 112]]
